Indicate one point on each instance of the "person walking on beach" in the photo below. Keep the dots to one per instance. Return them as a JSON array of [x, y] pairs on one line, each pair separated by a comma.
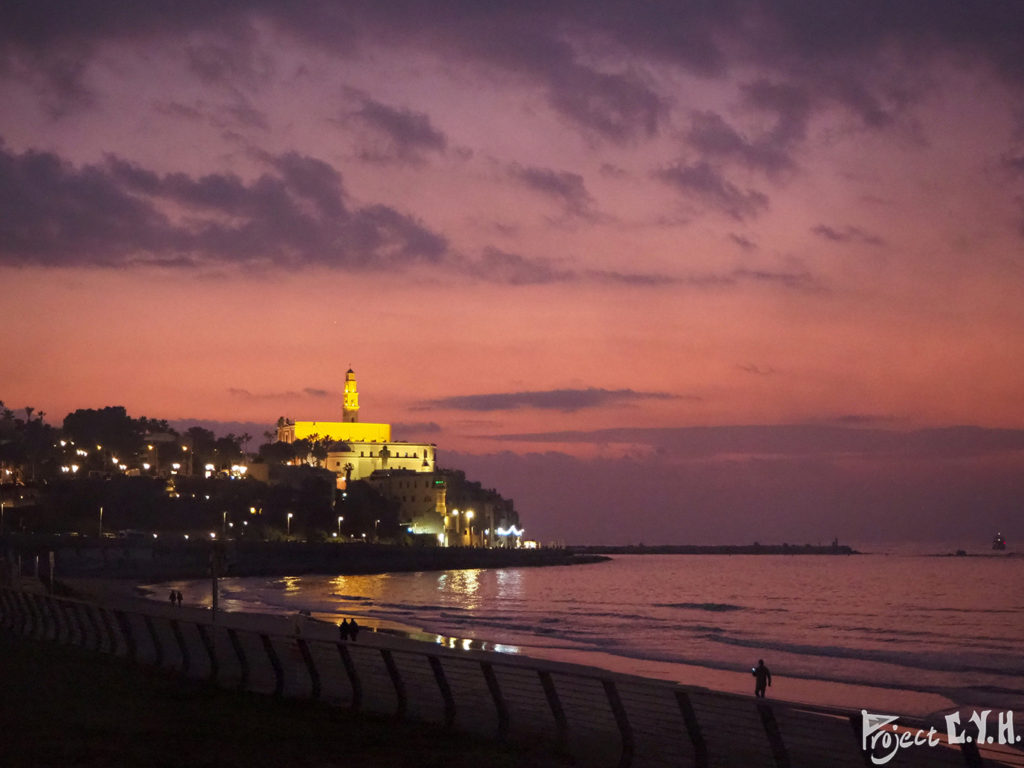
[[343, 630], [353, 630], [180, 598], [174, 596], [762, 678]]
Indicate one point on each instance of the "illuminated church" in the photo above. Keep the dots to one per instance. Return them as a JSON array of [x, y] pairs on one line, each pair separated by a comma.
[[359, 449]]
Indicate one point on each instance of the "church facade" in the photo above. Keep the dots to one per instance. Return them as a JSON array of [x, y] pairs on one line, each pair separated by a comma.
[[358, 449]]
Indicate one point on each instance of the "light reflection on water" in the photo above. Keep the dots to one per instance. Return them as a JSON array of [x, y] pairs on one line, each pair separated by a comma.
[[938, 623]]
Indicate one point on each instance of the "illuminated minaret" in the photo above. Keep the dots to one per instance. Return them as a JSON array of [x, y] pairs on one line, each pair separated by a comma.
[[350, 405]]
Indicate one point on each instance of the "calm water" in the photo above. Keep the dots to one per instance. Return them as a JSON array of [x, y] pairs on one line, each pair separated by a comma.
[[947, 625]]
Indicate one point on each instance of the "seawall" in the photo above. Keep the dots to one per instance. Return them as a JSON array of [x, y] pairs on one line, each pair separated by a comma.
[[156, 560]]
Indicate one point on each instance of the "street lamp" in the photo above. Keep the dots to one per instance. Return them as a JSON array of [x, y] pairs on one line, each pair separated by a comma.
[[3, 505], [289, 523], [469, 522], [340, 518], [101, 522]]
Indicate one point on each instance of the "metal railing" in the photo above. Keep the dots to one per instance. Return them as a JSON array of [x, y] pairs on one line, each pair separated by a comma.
[[598, 719]]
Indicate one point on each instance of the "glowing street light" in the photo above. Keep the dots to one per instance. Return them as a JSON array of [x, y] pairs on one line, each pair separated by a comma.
[[101, 522], [340, 518], [289, 523]]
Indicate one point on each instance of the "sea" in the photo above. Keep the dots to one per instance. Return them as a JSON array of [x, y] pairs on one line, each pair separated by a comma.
[[915, 634]]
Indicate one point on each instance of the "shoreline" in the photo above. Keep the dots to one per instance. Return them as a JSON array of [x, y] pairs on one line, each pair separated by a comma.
[[799, 691]]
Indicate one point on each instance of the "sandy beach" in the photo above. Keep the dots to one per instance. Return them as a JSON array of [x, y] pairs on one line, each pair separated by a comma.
[[808, 692]]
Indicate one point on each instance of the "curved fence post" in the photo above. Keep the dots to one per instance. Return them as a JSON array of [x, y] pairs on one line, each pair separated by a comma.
[[446, 691], [276, 664], [182, 646], [396, 681], [555, 703], [97, 633], [34, 627], [700, 747], [131, 649], [158, 649], [53, 624], [110, 630], [622, 721], [28, 616], [211, 653], [353, 676], [64, 606], [76, 614], [36, 614], [314, 674], [496, 696], [971, 755], [243, 663]]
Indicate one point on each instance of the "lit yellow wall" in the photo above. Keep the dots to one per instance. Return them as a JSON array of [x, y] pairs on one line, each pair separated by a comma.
[[342, 430]]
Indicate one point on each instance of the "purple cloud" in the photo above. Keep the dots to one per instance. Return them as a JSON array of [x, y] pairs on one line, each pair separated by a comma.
[[568, 400]]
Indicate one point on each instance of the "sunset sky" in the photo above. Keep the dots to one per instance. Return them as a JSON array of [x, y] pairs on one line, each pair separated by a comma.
[[660, 271]]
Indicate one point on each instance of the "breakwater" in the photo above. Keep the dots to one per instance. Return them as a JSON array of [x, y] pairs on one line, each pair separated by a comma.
[[716, 549]]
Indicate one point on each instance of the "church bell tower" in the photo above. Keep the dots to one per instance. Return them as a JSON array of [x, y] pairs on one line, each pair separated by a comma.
[[350, 405]]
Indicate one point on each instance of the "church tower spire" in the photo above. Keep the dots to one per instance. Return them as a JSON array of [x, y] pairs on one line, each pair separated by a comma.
[[350, 404]]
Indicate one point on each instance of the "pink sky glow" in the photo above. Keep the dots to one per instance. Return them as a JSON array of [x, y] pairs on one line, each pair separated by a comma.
[[730, 271]]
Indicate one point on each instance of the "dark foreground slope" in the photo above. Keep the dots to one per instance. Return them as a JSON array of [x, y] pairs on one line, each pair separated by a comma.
[[63, 706]]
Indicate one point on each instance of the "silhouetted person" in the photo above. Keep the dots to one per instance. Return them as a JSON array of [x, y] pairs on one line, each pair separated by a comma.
[[180, 598], [353, 629], [343, 630], [762, 678], [174, 596]]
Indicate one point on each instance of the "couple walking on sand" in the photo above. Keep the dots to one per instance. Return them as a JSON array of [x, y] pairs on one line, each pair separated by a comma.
[[348, 630]]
